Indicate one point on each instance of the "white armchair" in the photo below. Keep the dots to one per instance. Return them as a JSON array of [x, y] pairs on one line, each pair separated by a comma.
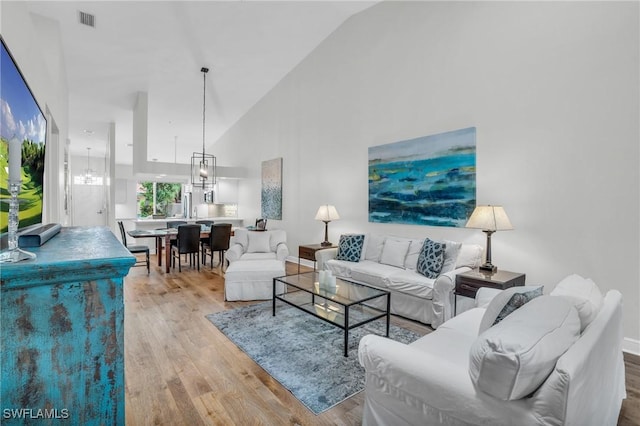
[[258, 245]]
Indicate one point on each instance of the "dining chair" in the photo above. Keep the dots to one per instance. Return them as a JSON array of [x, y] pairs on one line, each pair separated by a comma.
[[218, 242], [175, 223], [137, 249], [188, 242], [204, 223]]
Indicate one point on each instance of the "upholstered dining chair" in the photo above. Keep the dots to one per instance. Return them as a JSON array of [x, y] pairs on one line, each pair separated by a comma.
[[218, 242], [188, 242], [175, 223], [206, 223], [136, 249]]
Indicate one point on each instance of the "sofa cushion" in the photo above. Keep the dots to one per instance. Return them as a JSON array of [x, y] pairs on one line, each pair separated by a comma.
[[584, 294], [512, 359], [394, 252], [258, 256], [451, 251], [373, 246], [498, 303], [470, 255], [372, 273], [411, 259], [431, 258], [340, 268], [410, 282], [259, 242], [350, 247]]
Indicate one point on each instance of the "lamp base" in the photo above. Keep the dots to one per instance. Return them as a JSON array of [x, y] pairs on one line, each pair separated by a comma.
[[15, 255], [488, 267], [326, 244]]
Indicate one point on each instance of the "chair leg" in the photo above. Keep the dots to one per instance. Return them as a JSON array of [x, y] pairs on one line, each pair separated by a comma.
[[147, 262]]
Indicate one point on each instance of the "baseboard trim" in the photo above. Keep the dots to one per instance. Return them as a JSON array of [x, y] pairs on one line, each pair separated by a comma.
[[631, 346]]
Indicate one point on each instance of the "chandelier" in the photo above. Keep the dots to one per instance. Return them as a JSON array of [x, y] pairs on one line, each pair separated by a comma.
[[89, 175], [203, 165]]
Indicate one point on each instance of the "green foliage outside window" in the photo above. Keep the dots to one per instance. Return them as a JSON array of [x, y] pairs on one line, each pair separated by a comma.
[[167, 194]]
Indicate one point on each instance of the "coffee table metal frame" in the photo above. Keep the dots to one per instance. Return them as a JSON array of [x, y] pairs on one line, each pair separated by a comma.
[[327, 300]]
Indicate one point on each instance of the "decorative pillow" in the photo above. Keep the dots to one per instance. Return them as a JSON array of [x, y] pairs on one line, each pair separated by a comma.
[[375, 243], [411, 260], [259, 242], [350, 247], [469, 255], [512, 359], [497, 303], [584, 294], [451, 251], [394, 252], [517, 301], [431, 258]]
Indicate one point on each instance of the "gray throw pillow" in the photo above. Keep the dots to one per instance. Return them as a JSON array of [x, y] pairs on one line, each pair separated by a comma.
[[431, 258], [516, 301], [350, 247]]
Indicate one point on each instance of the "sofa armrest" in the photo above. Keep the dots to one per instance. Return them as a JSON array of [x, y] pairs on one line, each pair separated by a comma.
[[325, 254], [282, 251], [484, 295], [442, 301], [234, 253]]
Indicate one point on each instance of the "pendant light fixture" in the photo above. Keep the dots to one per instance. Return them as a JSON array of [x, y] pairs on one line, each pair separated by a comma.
[[89, 178], [203, 165]]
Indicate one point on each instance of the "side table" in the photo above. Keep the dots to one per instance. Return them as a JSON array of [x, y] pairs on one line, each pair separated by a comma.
[[308, 252], [468, 283]]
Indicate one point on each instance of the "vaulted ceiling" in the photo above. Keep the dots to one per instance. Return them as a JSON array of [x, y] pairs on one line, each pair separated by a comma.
[[159, 48]]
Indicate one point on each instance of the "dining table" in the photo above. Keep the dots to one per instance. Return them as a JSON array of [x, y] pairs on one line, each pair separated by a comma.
[[166, 234]]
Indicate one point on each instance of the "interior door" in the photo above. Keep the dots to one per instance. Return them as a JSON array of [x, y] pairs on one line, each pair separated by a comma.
[[89, 207]]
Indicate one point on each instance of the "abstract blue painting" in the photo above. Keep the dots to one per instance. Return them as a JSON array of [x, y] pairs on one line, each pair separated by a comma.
[[429, 180], [271, 196]]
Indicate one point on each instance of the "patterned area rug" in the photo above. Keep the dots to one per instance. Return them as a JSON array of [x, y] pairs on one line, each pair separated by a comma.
[[303, 353]]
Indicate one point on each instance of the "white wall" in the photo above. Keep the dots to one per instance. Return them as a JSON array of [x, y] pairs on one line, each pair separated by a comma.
[[34, 42], [552, 89]]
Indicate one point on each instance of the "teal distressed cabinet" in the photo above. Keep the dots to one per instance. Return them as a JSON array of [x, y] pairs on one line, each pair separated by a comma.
[[62, 332]]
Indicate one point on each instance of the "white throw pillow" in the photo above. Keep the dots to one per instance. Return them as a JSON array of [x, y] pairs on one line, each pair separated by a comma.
[[584, 294], [374, 246], [469, 255], [512, 359], [394, 252], [259, 242], [411, 260], [451, 251], [498, 303]]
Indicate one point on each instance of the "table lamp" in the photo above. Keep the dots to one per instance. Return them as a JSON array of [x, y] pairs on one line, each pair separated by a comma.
[[490, 219], [327, 213]]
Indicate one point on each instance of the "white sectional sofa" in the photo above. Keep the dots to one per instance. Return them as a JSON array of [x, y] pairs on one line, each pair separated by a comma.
[[389, 263], [535, 367]]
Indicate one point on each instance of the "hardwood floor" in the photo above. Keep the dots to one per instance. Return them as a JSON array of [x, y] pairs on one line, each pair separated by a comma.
[[180, 370]]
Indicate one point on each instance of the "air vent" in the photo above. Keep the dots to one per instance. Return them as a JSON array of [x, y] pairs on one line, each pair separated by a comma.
[[87, 19]]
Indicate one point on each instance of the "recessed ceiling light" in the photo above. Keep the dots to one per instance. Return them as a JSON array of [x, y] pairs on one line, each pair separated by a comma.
[[154, 159], [129, 144], [87, 131]]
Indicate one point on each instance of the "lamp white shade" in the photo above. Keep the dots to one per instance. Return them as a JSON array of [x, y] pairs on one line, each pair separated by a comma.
[[327, 213], [489, 218]]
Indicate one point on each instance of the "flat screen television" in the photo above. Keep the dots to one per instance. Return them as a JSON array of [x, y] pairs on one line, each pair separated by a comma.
[[21, 117]]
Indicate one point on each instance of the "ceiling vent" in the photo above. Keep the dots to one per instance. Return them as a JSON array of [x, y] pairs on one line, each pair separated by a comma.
[[87, 19]]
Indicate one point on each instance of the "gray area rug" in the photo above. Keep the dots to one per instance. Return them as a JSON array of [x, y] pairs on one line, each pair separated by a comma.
[[303, 353]]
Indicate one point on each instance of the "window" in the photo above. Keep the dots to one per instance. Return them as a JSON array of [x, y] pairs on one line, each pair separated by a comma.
[[159, 199]]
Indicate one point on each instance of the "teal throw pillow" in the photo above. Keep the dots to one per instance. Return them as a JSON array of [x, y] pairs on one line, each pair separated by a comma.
[[431, 258], [517, 301], [350, 247]]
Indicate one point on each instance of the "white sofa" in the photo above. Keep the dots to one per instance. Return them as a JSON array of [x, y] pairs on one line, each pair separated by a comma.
[[430, 381], [413, 295]]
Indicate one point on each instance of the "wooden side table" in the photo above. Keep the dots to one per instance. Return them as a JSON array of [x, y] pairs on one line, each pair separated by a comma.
[[308, 252], [468, 283]]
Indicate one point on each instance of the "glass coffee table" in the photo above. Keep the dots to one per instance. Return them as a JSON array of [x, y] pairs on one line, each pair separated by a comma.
[[345, 305]]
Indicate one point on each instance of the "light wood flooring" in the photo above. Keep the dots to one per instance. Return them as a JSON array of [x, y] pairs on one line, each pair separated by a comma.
[[180, 370]]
